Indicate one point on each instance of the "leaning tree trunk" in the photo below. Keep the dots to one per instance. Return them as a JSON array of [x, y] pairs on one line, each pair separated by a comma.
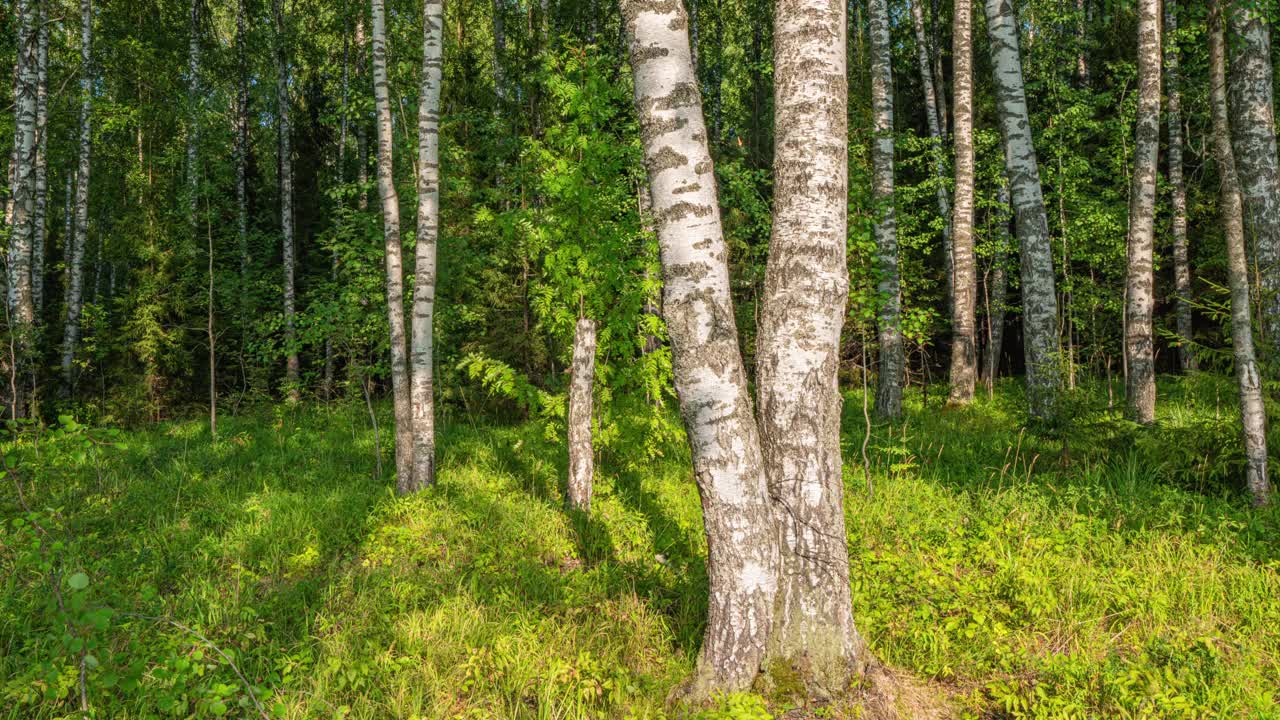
[[581, 453], [798, 351], [1039, 303], [41, 206], [76, 244], [424, 288], [288, 259], [1253, 134], [892, 360], [1139, 342], [1181, 270], [23, 190], [395, 269], [934, 121], [709, 375], [997, 289], [1252, 412], [964, 354]]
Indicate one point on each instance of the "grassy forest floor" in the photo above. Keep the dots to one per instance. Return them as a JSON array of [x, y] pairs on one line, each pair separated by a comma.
[[1121, 576]]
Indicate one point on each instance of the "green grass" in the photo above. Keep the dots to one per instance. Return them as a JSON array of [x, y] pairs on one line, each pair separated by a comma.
[[1123, 578]]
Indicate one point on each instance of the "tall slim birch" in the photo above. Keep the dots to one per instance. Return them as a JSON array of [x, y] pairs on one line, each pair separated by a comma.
[[1139, 299], [39, 217], [889, 288], [288, 252], [242, 161], [23, 189], [964, 352], [76, 245], [934, 120], [1178, 187]]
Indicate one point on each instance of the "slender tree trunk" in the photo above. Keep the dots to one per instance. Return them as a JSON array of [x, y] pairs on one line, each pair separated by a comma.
[[193, 120], [934, 120], [340, 179], [798, 350], [997, 288], [1039, 303], [1252, 413], [1181, 269], [1138, 330], [581, 384], [1253, 133], [23, 192], [288, 260], [499, 53], [395, 269], [709, 375], [892, 360], [76, 245], [39, 216], [424, 288], [1082, 35], [964, 356], [362, 139], [242, 166]]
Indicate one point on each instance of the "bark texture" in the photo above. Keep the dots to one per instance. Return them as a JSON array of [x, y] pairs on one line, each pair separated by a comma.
[[889, 288], [798, 351], [709, 375], [22, 191], [1139, 341], [1178, 188], [39, 216], [1039, 303], [400, 391], [1253, 135], [935, 122], [964, 352], [424, 287], [287, 251], [581, 454], [76, 244], [1252, 413]]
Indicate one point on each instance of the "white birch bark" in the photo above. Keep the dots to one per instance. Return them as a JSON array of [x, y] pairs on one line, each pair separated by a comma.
[[1039, 303], [709, 375], [394, 265], [798, 349], [23, 190], [1252, 412], [193, 117], [242, 161], [889, 288], [934, 121], [39, 216], [581, 385], [1178, 188], [997, 291], [1140, 298], [964, 353], [1253, 134], [288, 258], [76, 245], [424, 288]]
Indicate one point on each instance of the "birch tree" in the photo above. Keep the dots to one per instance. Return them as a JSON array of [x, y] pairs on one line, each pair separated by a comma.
[[242, 161], [1039, 303], [934, 120], [889, 288], [288, 259], [424, 288], [1139, 332], [710, 379], [76, 244], [23, 189], [996, 289], [1178, 188], [394, 266], [798, 350], [39, 217], [1253, 135], [964, 356], [581, 384], [1252, 412]]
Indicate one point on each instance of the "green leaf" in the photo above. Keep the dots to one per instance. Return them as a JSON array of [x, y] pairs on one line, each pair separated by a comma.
[[79, 581]]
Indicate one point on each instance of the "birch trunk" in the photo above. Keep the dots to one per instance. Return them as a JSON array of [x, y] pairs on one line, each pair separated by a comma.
[[581, 384], [1252, 412], [288, 259], [934, 120], [39, 216], [1253, 134], [997, 289], [964, 357], [242, 162], [362, 139], [798, 350], [340, 177], [499, 53], [76, 245], [1181, 268], [395, 269], [1082, 59], [709, 375], [424, 288], [1039, 303], [892, 360], [1139, 332], [23, 190], [193, 118]]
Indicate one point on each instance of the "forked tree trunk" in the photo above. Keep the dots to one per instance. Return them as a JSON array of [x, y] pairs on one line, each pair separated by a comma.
[[798, 350], [288, 259], [1178, 186], [709, 375], [997, 289], [76, 245], [581, 384], [1252, 413], [1253, 134], [395, 268], [892, 360], [1039, 303], [424, 288], [964, 352], [934, 121], [1139, 331]]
